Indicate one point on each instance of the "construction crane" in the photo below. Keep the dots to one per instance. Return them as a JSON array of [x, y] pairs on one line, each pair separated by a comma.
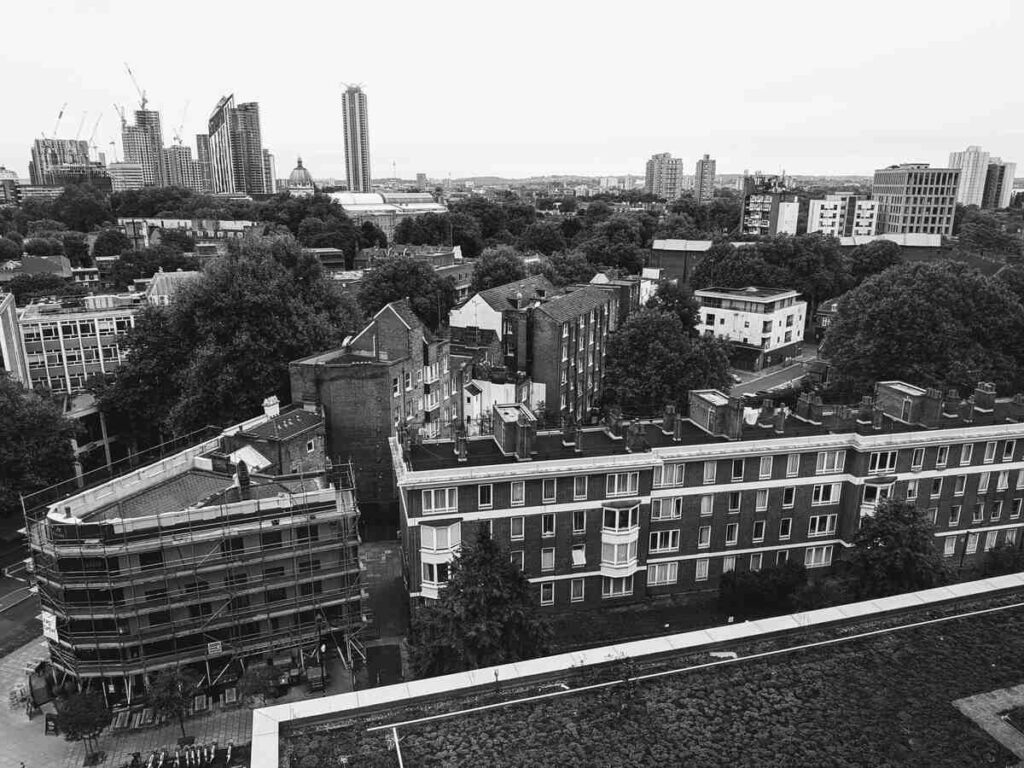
[[142, 94], [120, 111], [92, 136], [181, 126], [81, 125], [59, 116], [113, 149]]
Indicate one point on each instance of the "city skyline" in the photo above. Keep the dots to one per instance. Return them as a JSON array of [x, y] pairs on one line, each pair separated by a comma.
[[791, 116]]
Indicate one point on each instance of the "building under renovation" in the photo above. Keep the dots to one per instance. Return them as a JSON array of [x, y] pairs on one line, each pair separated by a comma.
[[239, 549]]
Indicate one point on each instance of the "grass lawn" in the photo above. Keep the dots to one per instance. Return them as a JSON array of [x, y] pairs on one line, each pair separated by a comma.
[[878, 701]]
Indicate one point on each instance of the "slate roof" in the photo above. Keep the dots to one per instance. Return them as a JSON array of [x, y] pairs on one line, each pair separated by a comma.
[[571, 305], [286, 425], [500, 297]]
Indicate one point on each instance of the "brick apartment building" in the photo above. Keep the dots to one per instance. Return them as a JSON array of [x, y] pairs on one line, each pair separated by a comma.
[[628, 511], [239, 548], [392, 375], [556, 338]]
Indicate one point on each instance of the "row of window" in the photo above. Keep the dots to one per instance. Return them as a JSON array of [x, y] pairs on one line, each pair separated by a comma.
[[973, 539], [665, 574]]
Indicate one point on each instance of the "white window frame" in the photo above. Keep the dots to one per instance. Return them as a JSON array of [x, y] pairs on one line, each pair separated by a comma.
[[935, 488], [544, 483], [883, 462], [633, 519], [581, 515], [757, 538], [791, 490], [622, 484], [480, 503], [662, 574], [573, 596], [793, 465], [701, 572], [1003, 480], [707, 505], [577, 495], [911, 489], [663, 541], [522, 528], [1015, 508], [1009, 447], [728, 563], [941, 456], [738, 496], [972, 543], [818, 557], [984, 480], [710, 472], [670, 508], [515, 485], [990, 451], [785, 528], [949, 546], [782, 557], [611, 581], [821, 525], [733, 477], [549, 587], [917, 458], [703, 537], [960, 485], [997, 510], [581, 550], [547, 554], [954, 515], [518, 557], [449, 499], [756, 560], [764, 469], [966, 454], [430, 540], [761, 499], [830, 462], [547, 525], [732, 534], [818, 494]]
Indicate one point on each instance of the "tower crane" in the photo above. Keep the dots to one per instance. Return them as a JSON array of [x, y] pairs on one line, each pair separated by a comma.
[[181, 126], [92, 136], [59, 116], [120, 111], [81, 124], [142, 94]]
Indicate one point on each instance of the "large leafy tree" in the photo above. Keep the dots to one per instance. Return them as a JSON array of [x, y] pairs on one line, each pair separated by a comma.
[[934, 324], [872, 258], [135, 265], [401, 277], [894, 551], [111, 242], [486, 615], [497, 266], [28, 287], [542, 236], [82, 717], [82, 207], [565, 268], [171, 693], [35, 447], [224, 343], [9, 249], [678, 299], [654, 360]]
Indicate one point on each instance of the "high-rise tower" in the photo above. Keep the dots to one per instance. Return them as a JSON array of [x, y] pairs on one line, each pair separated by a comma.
[[143, 144], [704, 180], [357, 139], [973, 165], [664, 176], [236, 148]]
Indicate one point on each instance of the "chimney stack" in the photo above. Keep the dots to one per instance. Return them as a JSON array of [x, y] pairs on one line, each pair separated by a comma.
[[951, 404], [677, 431], [578, 441], [967, 410], [460, 448], [271, 407], [985, 397], [244, 481], [931, 408], [877, 418], [779, 421], [668, 420]]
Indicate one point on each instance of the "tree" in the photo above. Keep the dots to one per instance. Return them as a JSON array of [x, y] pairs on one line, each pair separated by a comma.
[[872, 258], [372, 236], [82, 207], [401, 277], [565, 268], [111, 242], [486, 615], [28, 287], [44, 246], [759, 593], [171, 693], [258, 682], [894, 551], [542, 236], [35, 444], [1006, 558], [615, 242], [76, 249], [465, 233], [137, 265], [934, 324], [677, 299], [81, 717], [497, 266], [567, 204], [9, 249], [177, 240], [653, 360], [224, 343]]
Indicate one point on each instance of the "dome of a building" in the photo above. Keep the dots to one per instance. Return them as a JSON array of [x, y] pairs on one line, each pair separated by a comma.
[[300, 177]]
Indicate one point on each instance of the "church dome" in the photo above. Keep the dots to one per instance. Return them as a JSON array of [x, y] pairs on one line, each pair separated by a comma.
[[300, 177]]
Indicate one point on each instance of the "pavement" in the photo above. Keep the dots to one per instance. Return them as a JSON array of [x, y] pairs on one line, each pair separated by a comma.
[[776, 376], [985, 709]]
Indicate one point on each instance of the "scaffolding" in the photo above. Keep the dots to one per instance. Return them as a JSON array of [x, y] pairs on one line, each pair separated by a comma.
[[243, 575]]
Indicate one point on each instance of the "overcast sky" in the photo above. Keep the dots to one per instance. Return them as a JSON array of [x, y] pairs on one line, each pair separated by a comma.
[[522, 88]]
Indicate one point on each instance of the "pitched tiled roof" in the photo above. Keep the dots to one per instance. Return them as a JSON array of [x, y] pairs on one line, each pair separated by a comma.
[[500, 297], [167, 283], [572, 305]]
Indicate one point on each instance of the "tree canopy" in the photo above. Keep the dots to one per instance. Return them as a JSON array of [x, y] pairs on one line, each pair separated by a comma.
[[894, 551], [111, 242], [679, 300], [486, 615], [936, 324], [401, 277], [136, 265], [171, 693], [35, 447], [565, 268], [82, 717], [654, 360], [497, 266], [224, 343], [544, 237]]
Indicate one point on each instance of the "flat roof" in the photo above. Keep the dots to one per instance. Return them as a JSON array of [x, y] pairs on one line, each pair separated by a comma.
[[171, 495], [285, 425], [754, 292]]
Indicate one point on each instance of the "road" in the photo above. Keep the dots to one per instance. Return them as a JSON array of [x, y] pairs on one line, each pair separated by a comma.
[[774, 379]]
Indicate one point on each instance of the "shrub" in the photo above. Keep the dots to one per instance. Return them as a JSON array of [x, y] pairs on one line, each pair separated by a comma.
[[769, 590]]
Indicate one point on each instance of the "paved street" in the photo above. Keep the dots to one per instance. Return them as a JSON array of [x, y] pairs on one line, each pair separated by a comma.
[[753, 382]]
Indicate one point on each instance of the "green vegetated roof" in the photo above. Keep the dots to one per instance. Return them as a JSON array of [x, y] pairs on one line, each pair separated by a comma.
[[884, 700]]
